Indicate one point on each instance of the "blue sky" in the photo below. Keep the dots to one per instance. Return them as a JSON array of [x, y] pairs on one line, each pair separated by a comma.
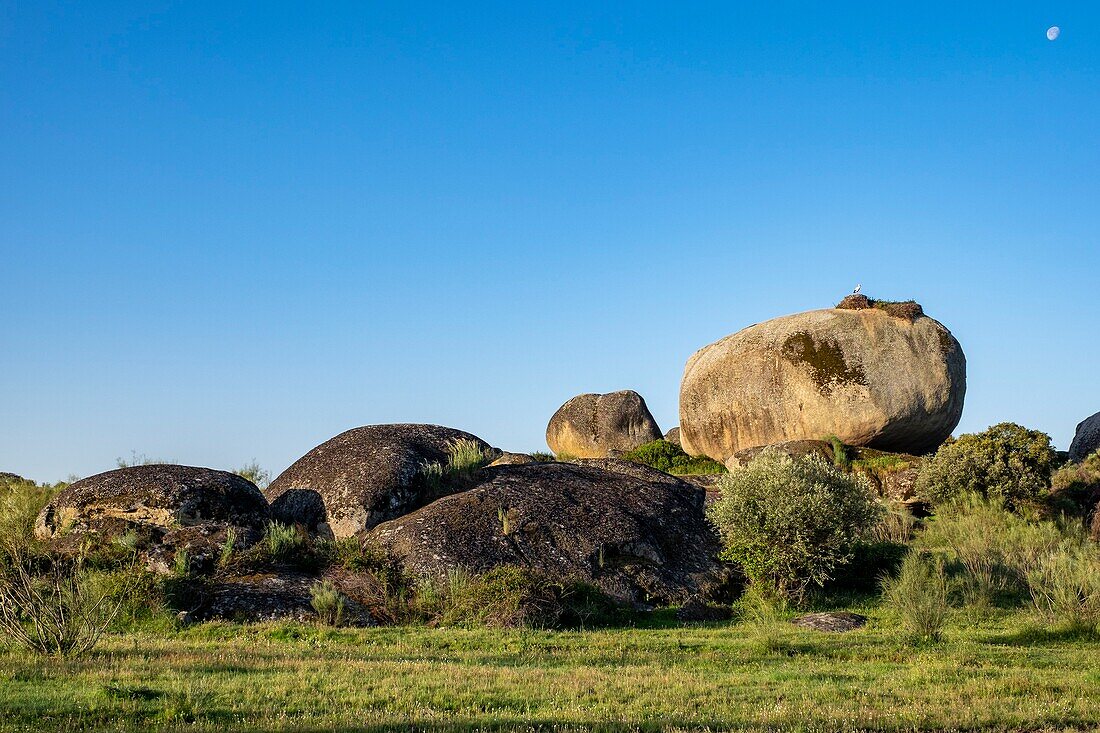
[[231, 231]]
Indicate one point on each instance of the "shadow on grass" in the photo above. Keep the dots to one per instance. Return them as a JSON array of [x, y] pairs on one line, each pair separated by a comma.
[[1038, 635]]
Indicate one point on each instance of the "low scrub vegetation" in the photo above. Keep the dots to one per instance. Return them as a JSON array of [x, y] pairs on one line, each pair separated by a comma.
[[790, 522], [1006, 463], [670, 458]]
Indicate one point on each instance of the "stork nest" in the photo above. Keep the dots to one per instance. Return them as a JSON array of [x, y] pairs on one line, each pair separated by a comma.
[[910, 310]]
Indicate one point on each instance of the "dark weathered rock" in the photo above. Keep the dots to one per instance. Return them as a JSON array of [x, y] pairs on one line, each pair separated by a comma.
[[283, 595], [1086, 439], [365, 476], [638, 534], [833, 621], [165, 497], [512, 459], [594, 425], [792, 448], [166, 508], [885, 377], [673, 436]]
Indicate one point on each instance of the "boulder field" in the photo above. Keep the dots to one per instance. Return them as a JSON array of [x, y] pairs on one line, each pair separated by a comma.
[[884, 376], [596, 425]]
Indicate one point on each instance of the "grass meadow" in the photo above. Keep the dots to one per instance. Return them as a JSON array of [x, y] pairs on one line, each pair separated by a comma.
[[995, 670]]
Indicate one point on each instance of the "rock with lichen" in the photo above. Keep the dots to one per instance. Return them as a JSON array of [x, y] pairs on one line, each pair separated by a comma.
[[367, 475], [601, 425], [882, 375]]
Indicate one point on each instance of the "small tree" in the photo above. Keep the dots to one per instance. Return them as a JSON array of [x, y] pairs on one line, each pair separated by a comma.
[[1006, 463], [789, 522]]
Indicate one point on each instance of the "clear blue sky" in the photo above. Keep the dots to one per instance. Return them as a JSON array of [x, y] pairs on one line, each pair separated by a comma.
[[231, 231]]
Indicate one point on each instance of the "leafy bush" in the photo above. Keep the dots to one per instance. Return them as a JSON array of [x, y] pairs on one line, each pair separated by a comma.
[[1075, 487], [255, 474], [1065, 585], [20, 503], [919, 595], [542, 456], [1007, 462], [671, 458], [51, 606], [328, 602], [790, 522]]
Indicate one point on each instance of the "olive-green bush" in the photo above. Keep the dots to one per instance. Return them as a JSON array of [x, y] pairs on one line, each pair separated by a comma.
[[1007, 463], [790, 522], [671, 458]]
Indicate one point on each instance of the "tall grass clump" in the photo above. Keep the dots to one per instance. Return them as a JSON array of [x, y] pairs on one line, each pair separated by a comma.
[[995, 547], [284, 543], [52, 605], [764, 616], [1065, 585], [790, 522], [328, 602], [464, 458], [918, 594], [254, 473]]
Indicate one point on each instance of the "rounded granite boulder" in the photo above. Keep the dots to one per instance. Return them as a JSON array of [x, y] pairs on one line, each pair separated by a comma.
[[365, 476], [887, 378], [1086, 439], [637, 533], [595, 425]]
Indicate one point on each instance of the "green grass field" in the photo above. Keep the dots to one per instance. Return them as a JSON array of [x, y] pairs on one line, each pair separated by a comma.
[[999, 671]]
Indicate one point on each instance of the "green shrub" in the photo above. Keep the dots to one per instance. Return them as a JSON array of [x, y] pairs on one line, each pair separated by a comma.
[[542, 456], [20, 503], [328, 602], [671, 458], [896, 524], [255, 474], [918, 594], [1075, 487], [870, 563], [1065, 585], [789, 522], [1007, 463]]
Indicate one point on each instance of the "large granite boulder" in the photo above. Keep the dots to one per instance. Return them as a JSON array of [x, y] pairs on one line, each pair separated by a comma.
[[166, 508], [365, 476], [637, 533], [1086, 439], [598, 425], [888, 378]]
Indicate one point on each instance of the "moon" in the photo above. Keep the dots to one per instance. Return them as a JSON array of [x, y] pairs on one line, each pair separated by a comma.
[[1053, 32]]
